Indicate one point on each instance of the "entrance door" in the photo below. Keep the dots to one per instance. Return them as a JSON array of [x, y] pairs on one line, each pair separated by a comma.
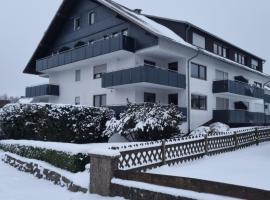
[[173, 99]]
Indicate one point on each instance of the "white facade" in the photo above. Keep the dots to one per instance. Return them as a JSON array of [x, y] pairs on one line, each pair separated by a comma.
[[166, 52]]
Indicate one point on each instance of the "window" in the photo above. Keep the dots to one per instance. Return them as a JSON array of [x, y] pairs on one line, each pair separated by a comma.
[[149, 63], [198, 40], [220, 50], [220, 75], [78, 75], [77, 100], [77, 23], [198, 71], [198, 102], [173, 66], [257, 84], [149, 97], [240, 58], [173, 99], [254, 64], [125, 32], [100, 100], [222, 104], [99, 70], [91, 18]]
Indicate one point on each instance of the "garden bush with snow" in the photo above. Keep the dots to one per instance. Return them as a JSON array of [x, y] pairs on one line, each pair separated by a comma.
[[60, 123], [146, 122]]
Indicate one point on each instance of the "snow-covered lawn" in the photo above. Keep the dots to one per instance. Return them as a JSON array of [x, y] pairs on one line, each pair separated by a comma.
[[15, 185], [247, 167]]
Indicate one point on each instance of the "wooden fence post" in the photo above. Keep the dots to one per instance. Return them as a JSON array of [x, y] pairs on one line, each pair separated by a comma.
[[235, 139], [257, 136], [163, 152], [206, 145]]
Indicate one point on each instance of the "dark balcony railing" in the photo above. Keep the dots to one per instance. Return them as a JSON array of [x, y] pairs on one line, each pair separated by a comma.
[[145, 74], [237, 87], [267, 119], [42, 90], [267, 98], [238, 117], [98, 48]]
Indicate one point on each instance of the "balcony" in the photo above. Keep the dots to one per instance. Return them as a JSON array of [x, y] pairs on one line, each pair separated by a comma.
[[267, 96], [42, 90], [98, 48], [144, 74], [238, 117], [238, 88], [267, 119]]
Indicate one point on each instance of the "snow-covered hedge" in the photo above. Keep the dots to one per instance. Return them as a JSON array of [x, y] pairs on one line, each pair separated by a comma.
[[61, 123], [147, 122], [64, 160]]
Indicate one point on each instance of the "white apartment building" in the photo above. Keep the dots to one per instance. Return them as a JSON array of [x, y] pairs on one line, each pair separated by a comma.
[[99, 53]]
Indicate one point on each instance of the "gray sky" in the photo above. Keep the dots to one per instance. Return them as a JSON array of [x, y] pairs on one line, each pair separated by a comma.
[[245, 23]]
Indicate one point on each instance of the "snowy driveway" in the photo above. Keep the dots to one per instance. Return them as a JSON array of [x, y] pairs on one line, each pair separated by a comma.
[[15, 185], [248, 167]]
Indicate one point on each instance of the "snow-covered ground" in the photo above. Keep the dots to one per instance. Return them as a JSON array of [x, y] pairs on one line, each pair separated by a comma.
[[247, 167], [15, 185]]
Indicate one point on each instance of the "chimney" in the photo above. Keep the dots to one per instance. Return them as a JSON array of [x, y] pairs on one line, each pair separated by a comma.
[[138, 11]]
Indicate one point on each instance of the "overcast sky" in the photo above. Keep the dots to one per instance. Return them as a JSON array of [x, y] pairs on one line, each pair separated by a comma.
[[245, 23]]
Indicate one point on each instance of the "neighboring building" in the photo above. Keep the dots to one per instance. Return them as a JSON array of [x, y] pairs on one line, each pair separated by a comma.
[[3, 103], [99, 53]]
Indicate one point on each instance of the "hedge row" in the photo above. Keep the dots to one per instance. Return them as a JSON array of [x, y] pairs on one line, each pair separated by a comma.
[[63, 160], [56, 123]]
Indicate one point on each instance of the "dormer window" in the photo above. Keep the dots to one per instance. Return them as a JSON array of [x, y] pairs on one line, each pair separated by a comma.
[[198, 40], [77, 23], [91, 18], [241, 59], [220, 50], [254, 64]]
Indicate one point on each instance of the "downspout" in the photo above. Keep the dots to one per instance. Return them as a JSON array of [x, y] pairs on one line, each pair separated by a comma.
[[188, 88]]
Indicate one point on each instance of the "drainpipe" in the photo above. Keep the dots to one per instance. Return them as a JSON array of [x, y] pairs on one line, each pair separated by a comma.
[[188, 88], [264, 103]]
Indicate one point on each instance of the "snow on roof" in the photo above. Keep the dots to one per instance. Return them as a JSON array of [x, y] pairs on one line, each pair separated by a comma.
[[160, 30], [144, 22]]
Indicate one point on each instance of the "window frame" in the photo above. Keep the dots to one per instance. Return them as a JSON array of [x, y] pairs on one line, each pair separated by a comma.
[[77, 101], [223, 74], [91, 18], [151, 94], [99, 75], [220, 50], [200, 98], [77, 75], [240, 58], [194, 35], [199, 67], [253, 66], [77, 23], [100, 100]]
